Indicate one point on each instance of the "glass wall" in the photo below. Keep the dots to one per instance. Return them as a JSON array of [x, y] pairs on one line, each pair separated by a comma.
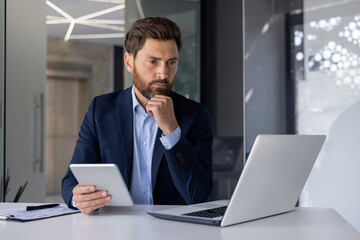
[[264, 56], [2, 80], [302, 76], [327, 101]]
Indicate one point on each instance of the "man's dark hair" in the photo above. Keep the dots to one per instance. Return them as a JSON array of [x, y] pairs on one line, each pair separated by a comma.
[[158, 28]]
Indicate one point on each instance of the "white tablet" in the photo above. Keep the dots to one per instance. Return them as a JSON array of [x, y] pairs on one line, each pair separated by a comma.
[[104, 177]]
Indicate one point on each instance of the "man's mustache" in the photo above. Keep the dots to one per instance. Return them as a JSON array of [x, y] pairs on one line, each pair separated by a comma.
[[162, 81]]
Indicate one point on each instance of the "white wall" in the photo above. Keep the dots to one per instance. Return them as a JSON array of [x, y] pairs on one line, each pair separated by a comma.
[[25, 78]]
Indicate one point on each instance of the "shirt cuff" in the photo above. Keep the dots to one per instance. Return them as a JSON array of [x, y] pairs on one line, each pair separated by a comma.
[[172, 139], [72, 202]]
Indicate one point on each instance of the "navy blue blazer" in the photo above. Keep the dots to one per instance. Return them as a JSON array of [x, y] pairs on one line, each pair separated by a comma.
[[182, 175]]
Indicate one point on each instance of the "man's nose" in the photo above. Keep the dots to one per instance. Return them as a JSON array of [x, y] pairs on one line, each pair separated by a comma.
[[162, 71]]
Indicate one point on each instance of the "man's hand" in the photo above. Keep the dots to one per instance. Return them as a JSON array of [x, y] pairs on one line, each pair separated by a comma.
[[87, 199], [161, 108]]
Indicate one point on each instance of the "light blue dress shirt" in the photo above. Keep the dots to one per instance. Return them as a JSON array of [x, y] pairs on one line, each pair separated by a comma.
[[144, 130]]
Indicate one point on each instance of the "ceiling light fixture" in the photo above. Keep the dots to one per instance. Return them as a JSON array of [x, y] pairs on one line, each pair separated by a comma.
[[106, 21], [56, 20], [59, 10], [140, 9], [109, 1], [69, 31], [93, 36], [105, 26], [87, 20], [66, 15], [60, 20], [102, 12]]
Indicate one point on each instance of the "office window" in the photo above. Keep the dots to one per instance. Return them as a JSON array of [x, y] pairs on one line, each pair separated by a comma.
[[327, 101]]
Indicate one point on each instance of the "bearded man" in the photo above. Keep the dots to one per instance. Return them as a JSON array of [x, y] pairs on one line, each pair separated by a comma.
[[160, 140]]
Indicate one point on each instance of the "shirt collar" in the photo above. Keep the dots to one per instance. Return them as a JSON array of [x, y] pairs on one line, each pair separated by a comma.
[[135, 102]]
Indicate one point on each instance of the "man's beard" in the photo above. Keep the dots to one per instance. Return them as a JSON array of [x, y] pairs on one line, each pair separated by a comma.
[[145, 88]]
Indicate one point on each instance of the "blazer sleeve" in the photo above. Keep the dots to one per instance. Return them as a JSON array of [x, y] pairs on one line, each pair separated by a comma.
[[190, 161], [86, 151]]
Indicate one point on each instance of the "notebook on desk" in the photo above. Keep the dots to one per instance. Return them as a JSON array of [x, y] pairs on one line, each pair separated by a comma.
[[22, 214], [271, 182]]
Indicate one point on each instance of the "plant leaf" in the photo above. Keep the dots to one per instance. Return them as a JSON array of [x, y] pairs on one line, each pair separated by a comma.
[[20, 192]]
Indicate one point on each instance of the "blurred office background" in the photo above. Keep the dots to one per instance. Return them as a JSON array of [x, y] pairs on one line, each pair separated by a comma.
[[260, 66]]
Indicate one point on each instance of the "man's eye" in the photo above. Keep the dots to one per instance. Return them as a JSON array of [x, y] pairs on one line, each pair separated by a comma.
[[151, 61]]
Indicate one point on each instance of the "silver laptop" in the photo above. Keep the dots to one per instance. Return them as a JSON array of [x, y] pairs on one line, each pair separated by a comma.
[[271, 182]]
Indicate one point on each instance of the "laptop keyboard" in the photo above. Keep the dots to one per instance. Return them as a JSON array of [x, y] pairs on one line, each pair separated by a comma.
[[209, 213]]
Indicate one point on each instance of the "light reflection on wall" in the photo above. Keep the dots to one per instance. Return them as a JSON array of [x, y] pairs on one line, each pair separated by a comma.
[[351, 31], [326, 25], [337, 60], [333, 58]]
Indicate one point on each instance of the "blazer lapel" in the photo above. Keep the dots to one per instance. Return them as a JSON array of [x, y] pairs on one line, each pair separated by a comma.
[[125, 120], [157, 156]]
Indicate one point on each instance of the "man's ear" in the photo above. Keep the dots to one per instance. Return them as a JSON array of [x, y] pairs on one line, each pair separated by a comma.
[[129, 62]]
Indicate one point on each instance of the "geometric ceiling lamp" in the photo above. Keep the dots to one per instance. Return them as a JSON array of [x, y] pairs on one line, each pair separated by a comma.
[[88, 20]]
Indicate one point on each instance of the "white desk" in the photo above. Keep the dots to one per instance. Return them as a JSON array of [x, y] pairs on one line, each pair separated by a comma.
[[132, 223]]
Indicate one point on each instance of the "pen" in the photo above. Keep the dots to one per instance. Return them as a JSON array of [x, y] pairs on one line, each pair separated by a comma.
[[31, 208], [4, 217]]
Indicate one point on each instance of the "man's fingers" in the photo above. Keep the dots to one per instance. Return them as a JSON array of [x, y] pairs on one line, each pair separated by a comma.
[[150, 108], [78, 189], [161, 108], [157, 100], [87, 199], [93, 208], [156, 104], [161, 96], [150, 112], [89, 196], [93, 203]]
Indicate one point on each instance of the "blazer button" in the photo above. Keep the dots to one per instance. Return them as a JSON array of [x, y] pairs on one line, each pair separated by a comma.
[[180, 159]]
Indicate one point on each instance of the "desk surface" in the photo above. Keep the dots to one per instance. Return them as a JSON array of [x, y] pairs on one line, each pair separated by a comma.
[[133, 223]]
